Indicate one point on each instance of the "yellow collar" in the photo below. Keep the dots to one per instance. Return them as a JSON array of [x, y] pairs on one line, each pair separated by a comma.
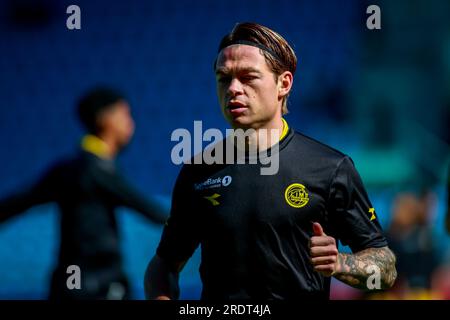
[[95, 145], [285, 129]]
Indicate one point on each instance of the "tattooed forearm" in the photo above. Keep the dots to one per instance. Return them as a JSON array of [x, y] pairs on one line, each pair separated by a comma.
[[355, 269]]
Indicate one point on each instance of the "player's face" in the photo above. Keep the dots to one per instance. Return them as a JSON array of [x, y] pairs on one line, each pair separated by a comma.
[[119, 122], [248, 90]]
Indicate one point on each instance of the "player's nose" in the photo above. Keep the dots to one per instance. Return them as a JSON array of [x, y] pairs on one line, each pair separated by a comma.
[[235, 87]]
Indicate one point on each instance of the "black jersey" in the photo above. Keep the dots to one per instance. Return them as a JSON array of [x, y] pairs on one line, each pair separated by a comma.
[[254, 229], [87, 190]]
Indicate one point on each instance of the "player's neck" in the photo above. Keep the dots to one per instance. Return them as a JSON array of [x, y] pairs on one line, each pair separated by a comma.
[[111, 144], [265, 136]]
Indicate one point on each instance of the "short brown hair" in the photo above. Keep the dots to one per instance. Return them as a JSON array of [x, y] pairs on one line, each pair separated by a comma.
[[280, 56]]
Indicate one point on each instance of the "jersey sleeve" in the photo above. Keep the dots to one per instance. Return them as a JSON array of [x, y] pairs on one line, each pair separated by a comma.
[[42, 191], [352, 216], [124, 194], [181, 234]]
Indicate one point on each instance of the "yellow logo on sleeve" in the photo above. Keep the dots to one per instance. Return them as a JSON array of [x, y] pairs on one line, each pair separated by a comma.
[[296, 195], [372, 211], [213, 198]]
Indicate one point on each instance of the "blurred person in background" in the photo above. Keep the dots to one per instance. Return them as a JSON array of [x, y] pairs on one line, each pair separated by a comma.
[[440, 282], [411, 239], [88, 188]]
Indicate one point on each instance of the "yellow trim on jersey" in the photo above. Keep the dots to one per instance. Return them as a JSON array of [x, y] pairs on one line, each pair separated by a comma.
[[95, 145], [285, 129]]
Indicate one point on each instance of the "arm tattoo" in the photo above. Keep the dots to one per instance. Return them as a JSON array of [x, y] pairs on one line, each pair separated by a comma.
[[355, 269]]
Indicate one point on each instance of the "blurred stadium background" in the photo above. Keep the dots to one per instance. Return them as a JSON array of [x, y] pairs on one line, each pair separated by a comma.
[[381, 96]]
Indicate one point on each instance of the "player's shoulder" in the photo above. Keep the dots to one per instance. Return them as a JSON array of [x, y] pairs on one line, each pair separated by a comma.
[[317, 149], [65, 162], [81, 163]]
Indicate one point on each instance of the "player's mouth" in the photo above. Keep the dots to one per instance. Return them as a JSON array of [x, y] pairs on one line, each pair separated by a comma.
[[236, 108]]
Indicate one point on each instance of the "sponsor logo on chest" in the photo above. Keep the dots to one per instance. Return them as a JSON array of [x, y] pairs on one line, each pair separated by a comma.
[[211, 183]]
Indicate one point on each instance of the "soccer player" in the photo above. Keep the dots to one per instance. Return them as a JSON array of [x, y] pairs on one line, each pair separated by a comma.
[[88, 188], [269, 236]]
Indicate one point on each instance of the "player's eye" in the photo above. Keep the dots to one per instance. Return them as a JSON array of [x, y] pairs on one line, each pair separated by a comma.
[[223, 79], [248, 78]]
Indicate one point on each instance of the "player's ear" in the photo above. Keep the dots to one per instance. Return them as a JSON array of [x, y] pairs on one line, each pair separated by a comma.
[[285, 81]]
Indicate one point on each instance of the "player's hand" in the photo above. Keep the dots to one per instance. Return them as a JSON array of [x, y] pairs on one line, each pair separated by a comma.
[[323, 251]]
